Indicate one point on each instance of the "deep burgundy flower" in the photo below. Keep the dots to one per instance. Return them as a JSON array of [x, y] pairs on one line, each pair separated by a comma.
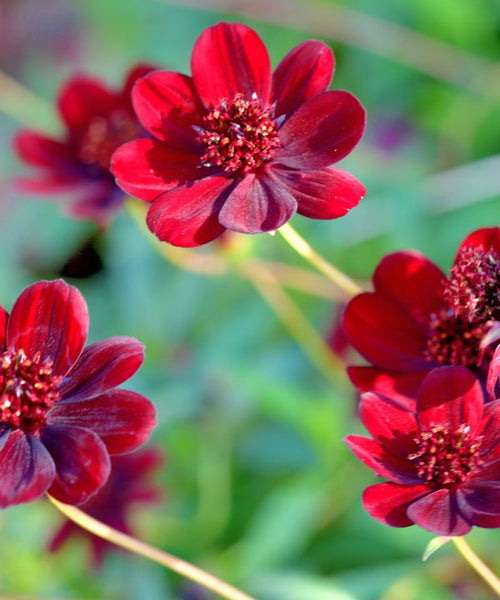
[[61, 415], [237, 147], [442, 462], [129, 486], [97, 120], [418, 319]]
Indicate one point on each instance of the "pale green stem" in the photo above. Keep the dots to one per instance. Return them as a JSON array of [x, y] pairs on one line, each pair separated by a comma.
[[477, 564]]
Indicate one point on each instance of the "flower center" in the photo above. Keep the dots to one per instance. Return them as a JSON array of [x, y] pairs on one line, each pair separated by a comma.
[[473, 289], [104, 135], [238, 136], [446, 457], [27, 390]]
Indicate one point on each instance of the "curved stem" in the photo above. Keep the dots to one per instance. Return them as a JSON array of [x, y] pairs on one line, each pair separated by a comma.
[[300, 245], [163, 558], [477, 564]]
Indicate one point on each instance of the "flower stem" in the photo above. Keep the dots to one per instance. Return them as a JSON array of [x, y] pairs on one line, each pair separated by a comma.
[[300, 245], [477, 564], [163, 558]]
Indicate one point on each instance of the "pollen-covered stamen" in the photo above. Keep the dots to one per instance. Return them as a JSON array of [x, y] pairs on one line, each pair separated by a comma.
[[473, 289], [104, 135], [454, 341], [28, 388], [238, 136], [444, 456]]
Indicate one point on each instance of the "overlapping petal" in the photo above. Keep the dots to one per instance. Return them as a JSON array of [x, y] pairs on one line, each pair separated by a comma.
[[389, 502], [81, 99], [485, 238], [438, 512], [402, 387]]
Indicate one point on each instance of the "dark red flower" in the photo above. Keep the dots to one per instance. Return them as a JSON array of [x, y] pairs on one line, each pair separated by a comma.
[[61, 415], [97, 121], [418, 319], [237, 147], [442, 462], [129, 485]]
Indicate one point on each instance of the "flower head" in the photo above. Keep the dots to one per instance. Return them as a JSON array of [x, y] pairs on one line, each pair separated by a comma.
[[97, 120], [418, 319], [128, 486], [61, 414], [442, 461], [237, 147]]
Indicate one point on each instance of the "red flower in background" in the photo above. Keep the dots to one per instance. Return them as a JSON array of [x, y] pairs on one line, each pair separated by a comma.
[[237, 147], [61, 415], [128, 486], [442, 462], [97, 121], [418, 319]]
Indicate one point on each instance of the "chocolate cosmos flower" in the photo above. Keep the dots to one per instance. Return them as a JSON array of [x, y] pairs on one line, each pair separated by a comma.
[[61, 415], [237, 147], [97, 121], [127, 487], [442, 462], [418, 319]]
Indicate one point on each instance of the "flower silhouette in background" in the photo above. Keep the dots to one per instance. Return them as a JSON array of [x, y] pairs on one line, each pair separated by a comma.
[[442, 462], [237, 147], [61, 415], [129, 486], [97, 120], [418, 319]]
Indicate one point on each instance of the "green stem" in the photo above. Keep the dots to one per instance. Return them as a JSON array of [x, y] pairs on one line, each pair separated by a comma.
[[477, 564]]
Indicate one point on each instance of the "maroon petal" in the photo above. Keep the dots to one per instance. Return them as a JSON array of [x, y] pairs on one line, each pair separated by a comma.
[[228, 59], [482, 509], [168, 106], [451, 397], [306, 71], [122, 419], [42, 151], [438, 512], [146, 168], [383, 463], [393, 425], [494, 374], [402, 387], [485, 238], [490, 433], [383, 332], [321, 131], [81, 459], [487, 476], [102, 366], [482, 499], [256, 205], [4, 317], [81, 99], [26, 469], [188, 215], [49, 317], [4, 435], [389, 502], [413, 281]]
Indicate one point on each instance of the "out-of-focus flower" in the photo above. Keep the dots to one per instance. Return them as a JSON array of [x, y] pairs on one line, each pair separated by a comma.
[[61, 415], [128, 486], [236, 147], [97, 121], [442, 462], [418, 319]]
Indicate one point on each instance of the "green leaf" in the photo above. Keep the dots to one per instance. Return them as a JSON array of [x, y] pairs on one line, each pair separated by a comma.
[[434, 545]]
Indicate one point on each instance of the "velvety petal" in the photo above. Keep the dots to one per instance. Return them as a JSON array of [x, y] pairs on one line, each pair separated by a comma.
[[49, 317], [81, 99], [485, 500], [256, 205], [326, 193], [4, 435], [4, 317], [102, 366], [393, 425], [26, 469], [450, 396], [485, 238], [383, 332], [413, 281], [438, 512], [228, 59], [321, 131], [146, 168], [306, 71], [383, 463], [81, 459], [168, 106], [402, 387], [135, 73], [490, 433], [188, 215], [389, 502], [121, 418], [487, 476], [42, 151], [494, 374]]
